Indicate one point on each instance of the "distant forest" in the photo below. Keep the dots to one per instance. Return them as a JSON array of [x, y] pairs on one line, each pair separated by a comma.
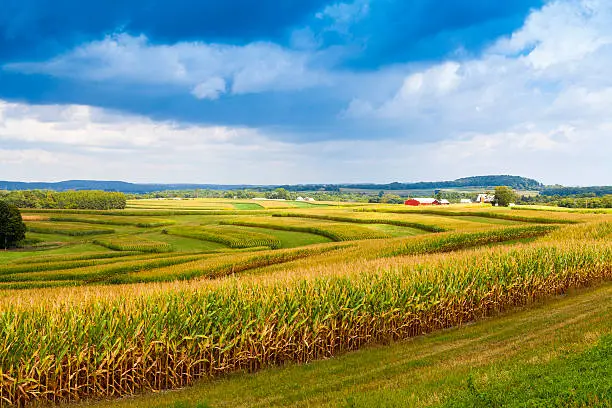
[[595, 191], [515, 182], [84, 200]]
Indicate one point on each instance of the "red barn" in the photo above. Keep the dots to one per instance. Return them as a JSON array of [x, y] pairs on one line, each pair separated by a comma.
[[415, 202]]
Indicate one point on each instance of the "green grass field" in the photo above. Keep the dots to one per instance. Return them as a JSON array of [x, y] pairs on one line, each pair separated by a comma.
[[280, 303]]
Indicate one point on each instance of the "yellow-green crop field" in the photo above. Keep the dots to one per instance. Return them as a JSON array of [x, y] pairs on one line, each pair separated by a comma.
[[106, 304]]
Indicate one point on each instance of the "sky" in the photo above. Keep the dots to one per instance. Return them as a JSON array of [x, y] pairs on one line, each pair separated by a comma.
[[309, 91]]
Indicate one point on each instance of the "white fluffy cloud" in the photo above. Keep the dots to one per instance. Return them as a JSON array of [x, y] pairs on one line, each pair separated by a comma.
[[81, 127], [546, 88], [202, 68], [68, 142]]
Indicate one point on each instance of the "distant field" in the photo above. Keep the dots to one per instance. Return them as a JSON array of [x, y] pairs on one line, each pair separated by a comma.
[[168, 292], [431, 192], [563, 209]]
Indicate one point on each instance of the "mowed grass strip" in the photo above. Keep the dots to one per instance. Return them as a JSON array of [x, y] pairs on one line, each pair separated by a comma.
[[62, 228], [134, 243], [233, 237], [247, 206], [333, 230]]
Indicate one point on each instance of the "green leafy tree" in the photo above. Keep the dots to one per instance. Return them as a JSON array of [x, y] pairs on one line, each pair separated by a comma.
[[279, 193], [504, 196], [391, 199], [12, 228], [86, 199]]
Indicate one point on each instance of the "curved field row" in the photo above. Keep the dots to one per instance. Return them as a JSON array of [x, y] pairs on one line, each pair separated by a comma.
[[61, 263], [152, 269], [142, 213], [70, 229], [333, 230], [102, 273], [430, 222], [399, 223], [484, 214], [33, 260], [563, 209], [134, 243], [141, 222], [141, 268], [457, 241], [227, 235], [224, 265]]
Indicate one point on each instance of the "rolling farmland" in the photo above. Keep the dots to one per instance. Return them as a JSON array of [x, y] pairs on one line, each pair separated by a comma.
[[106, 304]]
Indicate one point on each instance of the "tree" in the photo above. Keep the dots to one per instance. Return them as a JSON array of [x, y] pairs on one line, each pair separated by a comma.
[[391, 199], [504, 196], [12, 228], [279, 193]]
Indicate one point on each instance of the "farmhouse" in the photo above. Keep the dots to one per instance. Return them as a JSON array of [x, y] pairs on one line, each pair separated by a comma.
[[444, 201], [465, 201], [485, 198], [415, 202]]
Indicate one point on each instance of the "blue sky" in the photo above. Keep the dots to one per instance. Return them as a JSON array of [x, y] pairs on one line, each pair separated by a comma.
[[311, 91]]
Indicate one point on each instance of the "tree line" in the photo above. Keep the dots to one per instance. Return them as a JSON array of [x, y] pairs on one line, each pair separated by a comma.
[[85, 200], [576, 192], [571, 201]]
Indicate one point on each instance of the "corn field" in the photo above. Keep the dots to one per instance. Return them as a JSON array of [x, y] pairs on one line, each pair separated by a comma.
[[110, 324], [334, 231], [232, 237], [76, 230], [134, 245]]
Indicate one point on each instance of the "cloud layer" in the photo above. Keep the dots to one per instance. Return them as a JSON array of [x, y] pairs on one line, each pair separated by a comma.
[[362, 90]]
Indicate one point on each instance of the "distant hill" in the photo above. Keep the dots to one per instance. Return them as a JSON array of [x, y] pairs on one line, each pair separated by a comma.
[[120, 186], [516, 182]]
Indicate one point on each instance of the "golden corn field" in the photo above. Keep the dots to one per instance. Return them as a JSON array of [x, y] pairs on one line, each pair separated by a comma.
[[106, 316]]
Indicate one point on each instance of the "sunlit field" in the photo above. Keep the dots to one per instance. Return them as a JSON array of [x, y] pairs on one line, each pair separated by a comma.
[[164, 293]]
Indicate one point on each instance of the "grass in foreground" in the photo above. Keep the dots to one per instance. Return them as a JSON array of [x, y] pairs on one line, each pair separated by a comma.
[[554, 354]]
